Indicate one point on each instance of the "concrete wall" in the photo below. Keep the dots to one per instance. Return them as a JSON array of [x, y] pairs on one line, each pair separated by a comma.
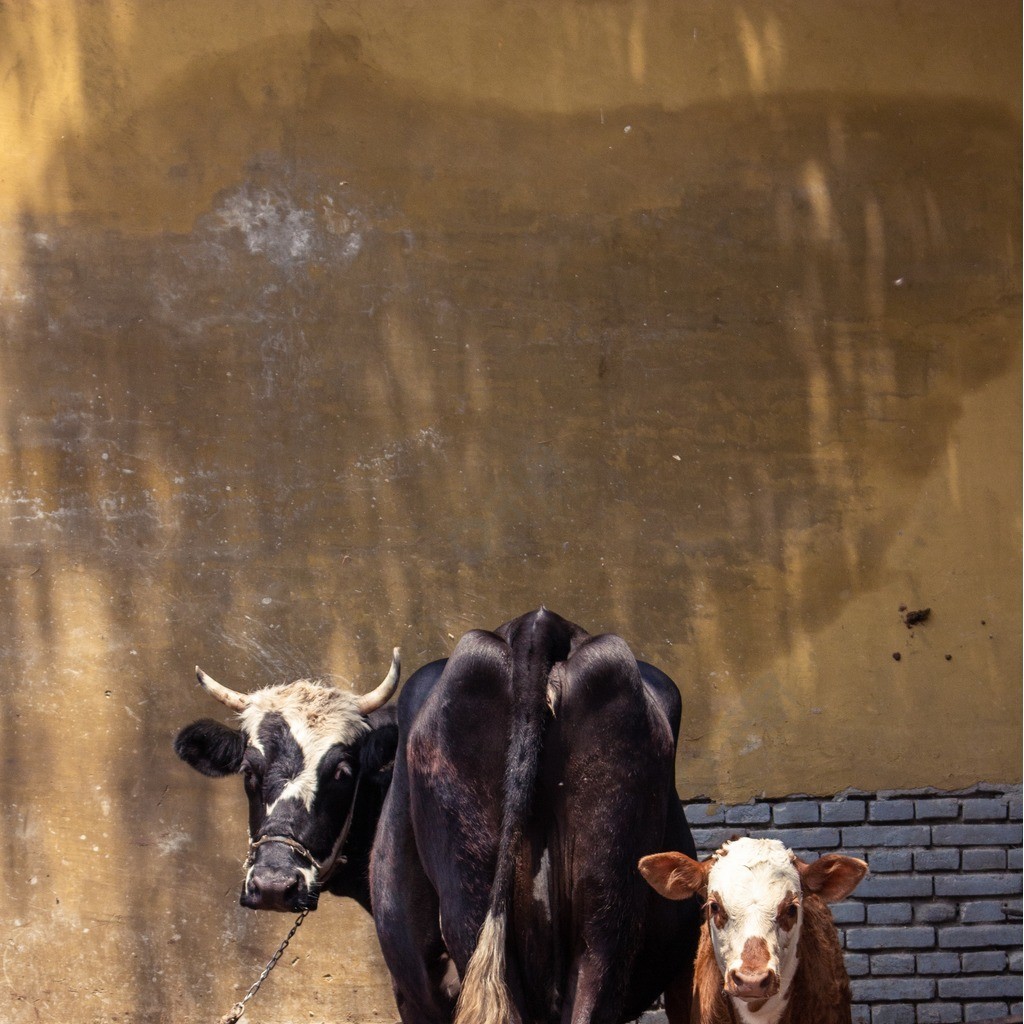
[[330, 326]]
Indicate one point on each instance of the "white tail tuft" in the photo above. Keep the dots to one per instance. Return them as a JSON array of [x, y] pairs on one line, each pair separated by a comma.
[[485, 998]]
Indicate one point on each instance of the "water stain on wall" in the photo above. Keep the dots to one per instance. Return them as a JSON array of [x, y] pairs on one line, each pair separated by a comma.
[[306, 357]]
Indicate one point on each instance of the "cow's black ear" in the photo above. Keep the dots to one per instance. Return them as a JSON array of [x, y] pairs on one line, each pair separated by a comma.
[[210, 747], [377, 754]]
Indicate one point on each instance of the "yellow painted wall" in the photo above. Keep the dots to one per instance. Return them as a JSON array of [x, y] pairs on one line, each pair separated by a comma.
[[334, 326]]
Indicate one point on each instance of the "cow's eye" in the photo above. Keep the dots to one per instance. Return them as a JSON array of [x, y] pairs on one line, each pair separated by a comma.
[[716, 913], [343, 769], [788, 916]]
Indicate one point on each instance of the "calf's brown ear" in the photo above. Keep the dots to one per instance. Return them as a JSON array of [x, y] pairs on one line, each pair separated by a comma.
[[832, 877], [674, 875]]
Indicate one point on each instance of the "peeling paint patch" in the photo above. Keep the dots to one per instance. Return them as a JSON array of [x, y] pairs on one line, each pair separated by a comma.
[[753, 743], [391, 458], [271, 224], [170, 843]]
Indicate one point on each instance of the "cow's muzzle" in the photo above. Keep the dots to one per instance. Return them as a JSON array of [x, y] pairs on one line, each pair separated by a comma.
[[285, 891], [282, 874], [281, 877], [750, 985]]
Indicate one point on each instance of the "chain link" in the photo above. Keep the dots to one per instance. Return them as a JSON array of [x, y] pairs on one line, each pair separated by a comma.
[[238, 1009]]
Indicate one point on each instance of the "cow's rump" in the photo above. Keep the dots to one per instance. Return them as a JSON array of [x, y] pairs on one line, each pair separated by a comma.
[[538, 769]]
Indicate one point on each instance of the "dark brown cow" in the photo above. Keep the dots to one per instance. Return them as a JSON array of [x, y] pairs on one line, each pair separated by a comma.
[[534, 767]]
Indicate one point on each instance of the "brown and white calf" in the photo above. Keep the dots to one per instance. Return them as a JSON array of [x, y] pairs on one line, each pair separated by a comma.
[[769, 953]]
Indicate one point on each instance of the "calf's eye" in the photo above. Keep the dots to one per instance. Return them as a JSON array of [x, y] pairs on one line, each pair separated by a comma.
[[788, 916], [716, 913], [343, 769]]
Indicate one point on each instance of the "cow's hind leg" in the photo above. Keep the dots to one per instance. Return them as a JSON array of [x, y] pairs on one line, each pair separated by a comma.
[[679, 998], [594, 999], [592, 992], [615, 748]]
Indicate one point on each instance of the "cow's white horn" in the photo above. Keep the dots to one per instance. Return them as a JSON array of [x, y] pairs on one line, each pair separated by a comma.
[[230, 698], [379, 697]]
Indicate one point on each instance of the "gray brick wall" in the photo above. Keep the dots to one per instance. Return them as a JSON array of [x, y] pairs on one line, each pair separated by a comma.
[[933, 935]]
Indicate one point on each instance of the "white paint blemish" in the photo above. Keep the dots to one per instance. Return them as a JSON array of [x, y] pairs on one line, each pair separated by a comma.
[[753, 743], [427, 439], [271, 224], [170, 843]]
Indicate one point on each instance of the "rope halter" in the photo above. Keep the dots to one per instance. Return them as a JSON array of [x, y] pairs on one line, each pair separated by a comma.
[[322, 869]]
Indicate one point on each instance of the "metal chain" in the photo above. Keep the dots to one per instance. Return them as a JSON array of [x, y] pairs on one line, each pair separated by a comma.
[[238, 1009]]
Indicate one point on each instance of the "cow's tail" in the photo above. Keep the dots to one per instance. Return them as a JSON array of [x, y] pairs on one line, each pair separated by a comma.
[[485, 998], [537, 642]]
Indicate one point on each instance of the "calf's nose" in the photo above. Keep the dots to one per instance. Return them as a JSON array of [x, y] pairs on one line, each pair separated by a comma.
[[746, 984]]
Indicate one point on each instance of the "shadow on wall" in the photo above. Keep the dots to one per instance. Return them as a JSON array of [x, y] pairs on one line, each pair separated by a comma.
[[321, 364]]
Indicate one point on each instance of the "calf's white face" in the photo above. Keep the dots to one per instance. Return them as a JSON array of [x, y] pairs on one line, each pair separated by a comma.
[[754, 890], [754, 914]]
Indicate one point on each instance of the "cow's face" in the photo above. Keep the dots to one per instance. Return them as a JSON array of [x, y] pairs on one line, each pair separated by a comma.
[[302, 752], [754, 891]]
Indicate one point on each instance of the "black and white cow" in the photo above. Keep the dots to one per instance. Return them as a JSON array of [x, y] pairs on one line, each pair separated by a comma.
[[532, 770], [316, 762]]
